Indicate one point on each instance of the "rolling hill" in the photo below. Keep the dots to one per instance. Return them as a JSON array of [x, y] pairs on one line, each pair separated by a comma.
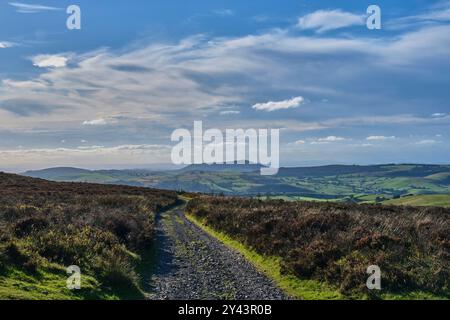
[[439, 200], [376, 183]]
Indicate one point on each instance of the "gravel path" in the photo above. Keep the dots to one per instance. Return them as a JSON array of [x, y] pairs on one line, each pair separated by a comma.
[[193, 265]]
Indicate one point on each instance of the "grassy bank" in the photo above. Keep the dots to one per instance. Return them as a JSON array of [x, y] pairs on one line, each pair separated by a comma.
[[49, 284]]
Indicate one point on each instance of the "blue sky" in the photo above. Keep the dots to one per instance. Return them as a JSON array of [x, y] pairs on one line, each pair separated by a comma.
[[110, 94]]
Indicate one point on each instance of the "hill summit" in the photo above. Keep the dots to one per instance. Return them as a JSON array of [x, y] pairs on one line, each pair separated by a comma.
[[222, 167]]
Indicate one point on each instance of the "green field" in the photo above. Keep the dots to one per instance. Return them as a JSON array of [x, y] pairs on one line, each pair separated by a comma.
[[439, 200]]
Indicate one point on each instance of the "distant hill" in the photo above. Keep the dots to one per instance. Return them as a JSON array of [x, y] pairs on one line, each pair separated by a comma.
[[392, 170], [330, 170], [232, 167], [348, 183], [52, 173]]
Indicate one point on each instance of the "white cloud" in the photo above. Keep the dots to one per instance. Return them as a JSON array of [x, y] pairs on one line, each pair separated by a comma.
[[32, 8], [328, 139], [296, 144], [4, 44], [229, 112], [224, 12], [95, 122], [379, 138], [438, 115], [427, 142], [325, 20], [48, 60], [278, 105], [331, 139]]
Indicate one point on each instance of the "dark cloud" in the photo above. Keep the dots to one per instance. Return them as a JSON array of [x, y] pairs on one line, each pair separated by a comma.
[[129, 68]]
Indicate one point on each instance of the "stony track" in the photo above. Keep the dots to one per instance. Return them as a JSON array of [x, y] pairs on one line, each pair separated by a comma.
[[193, 265]]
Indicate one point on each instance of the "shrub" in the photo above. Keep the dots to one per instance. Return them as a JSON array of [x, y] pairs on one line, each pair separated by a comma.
[[19, 255], [336, 242], [117, 270]]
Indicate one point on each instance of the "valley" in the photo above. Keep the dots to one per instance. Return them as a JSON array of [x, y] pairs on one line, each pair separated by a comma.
[[356, 184]]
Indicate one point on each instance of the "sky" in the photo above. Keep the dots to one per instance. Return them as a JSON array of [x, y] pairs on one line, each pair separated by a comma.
[[110, 94]]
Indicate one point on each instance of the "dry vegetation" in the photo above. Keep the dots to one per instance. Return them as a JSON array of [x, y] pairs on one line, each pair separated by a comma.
[[336, 243], [101, 228]]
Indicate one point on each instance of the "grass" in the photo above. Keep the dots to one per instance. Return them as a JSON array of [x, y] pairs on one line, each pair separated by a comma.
[[414, 295], [293, 286], [440, 200], [48, 284]]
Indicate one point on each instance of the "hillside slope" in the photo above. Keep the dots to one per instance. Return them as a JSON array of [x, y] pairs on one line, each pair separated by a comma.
[[336, 243], [439, 200], [47, 226], [336, 182]]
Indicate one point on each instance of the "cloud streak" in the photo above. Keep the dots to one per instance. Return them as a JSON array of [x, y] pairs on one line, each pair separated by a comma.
[[32, 8], [326, 20], [379, 138]]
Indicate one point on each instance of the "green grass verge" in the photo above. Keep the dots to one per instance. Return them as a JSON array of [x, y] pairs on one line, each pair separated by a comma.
[[413, 295], [293, 286], [47, 284]]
